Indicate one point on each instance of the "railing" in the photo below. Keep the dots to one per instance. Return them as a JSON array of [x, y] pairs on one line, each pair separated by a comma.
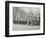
[[20, 22]]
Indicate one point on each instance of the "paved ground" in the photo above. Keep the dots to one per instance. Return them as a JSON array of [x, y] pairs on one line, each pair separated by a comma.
[[25, 27]]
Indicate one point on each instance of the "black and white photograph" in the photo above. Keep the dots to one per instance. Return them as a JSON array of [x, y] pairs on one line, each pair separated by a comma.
[[24, 18]]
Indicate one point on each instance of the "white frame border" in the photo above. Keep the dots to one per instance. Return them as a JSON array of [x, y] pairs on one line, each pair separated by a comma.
[[11, 5]]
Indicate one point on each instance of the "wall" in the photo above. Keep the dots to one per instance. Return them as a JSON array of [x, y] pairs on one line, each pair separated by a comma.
[[2, 20]]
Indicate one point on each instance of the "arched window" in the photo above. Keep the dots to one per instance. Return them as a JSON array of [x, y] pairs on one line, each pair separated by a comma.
[[17, 17]]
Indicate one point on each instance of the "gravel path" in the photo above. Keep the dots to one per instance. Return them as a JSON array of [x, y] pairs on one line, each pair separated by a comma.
[[17, 27]]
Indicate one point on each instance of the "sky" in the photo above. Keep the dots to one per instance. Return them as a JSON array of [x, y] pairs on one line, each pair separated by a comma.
[[30, 10]]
